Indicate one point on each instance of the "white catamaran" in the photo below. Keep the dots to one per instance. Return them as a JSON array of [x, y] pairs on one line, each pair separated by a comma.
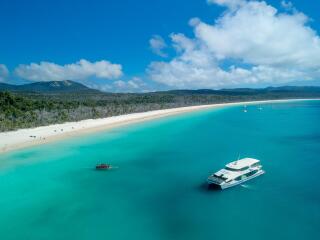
[[236, 173]]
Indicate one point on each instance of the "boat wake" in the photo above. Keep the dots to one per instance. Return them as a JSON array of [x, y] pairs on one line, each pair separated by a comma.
[[247, 186]]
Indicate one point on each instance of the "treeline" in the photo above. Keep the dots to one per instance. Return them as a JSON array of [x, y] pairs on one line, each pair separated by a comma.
[[26, 110]]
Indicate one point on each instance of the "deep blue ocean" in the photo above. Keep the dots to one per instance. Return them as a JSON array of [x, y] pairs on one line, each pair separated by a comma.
[[159, 190]]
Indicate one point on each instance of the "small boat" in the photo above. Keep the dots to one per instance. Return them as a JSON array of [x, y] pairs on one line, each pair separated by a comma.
[[236, 173], [103, 166]]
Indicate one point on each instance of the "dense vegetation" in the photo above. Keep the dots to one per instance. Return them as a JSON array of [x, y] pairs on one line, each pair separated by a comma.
[[30, 109]]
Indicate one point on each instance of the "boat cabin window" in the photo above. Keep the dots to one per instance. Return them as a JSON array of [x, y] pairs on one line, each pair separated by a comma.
[[251, 173], [220, 177], [239, 178]]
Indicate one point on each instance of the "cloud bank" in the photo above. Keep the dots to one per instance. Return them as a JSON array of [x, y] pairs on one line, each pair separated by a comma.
[[250, 43], [81, 70]]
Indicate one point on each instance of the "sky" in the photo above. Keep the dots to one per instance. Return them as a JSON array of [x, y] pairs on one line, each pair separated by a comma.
[[143, 45]]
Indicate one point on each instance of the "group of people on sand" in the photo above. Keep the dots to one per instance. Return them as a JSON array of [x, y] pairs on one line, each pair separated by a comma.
[[41, 138]]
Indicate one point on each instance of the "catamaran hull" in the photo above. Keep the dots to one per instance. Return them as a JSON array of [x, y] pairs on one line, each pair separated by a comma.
[[228, 185]]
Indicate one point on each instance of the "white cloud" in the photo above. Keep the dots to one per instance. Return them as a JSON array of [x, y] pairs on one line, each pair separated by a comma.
[[275, 48], [287, 5], [135, 84], [120, 84], [257, 34], [4, 72], [83, 69], [232, 4], [194, 66], [157, 45]]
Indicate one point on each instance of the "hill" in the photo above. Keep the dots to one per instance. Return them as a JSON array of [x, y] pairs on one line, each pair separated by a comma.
[[66, 86]]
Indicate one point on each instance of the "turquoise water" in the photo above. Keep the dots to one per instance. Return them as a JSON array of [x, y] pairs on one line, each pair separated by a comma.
[[159, 191]]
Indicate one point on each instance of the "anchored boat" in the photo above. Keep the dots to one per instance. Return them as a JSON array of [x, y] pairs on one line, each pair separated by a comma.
[[103, 166], [236, 173]]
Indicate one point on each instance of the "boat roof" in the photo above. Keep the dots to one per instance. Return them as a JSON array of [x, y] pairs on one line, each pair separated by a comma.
[[228, 174], [236, 165], [242, 163]]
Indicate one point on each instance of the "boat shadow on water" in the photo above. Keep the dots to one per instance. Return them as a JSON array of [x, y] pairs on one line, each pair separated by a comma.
[[205, 187], [211, 188]]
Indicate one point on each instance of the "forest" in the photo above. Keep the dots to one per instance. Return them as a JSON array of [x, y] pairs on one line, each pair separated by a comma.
[[20, 109]]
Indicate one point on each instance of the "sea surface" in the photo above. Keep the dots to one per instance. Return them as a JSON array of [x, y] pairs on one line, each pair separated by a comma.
[[159, 189]]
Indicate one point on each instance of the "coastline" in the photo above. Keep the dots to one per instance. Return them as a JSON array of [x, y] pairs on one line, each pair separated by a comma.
[[23, 138]]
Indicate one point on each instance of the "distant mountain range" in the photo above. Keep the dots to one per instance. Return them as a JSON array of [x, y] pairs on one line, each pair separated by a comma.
[[68, 86], [48, 87]]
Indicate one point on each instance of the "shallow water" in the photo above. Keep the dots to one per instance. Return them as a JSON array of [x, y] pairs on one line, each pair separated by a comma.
[[159, 190]]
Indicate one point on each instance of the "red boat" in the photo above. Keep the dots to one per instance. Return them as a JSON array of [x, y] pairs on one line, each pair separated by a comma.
[[103, 166]]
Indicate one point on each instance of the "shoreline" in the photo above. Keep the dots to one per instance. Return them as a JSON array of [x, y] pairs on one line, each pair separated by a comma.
[[24, 138]]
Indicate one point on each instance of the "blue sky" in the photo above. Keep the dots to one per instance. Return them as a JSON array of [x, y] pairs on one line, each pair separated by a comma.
[[119, 32]]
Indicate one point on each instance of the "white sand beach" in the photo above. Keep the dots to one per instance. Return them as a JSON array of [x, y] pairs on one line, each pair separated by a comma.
[[33, 136]]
